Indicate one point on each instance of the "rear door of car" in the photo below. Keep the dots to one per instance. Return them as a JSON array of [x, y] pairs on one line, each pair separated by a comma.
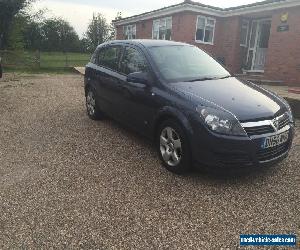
[[107, 76]]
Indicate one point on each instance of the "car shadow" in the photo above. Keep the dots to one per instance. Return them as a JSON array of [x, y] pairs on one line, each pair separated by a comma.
[[197, 171]]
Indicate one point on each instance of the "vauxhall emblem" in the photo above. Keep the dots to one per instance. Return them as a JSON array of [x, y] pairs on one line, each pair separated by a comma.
[[275, 124]]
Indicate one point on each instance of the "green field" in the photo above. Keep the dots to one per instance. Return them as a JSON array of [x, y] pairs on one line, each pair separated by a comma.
[[61, 60], [42, 61]]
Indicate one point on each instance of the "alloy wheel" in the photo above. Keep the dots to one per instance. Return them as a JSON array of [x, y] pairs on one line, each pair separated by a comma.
[[170, 146], [90, 103]]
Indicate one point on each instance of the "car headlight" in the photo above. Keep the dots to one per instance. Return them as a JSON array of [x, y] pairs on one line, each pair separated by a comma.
[[220, 121]]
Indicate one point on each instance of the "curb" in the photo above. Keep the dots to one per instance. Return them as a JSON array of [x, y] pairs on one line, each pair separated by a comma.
[[294, 90], [80, 70]]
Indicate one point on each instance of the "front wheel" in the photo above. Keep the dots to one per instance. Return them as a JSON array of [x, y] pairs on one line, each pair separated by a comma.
[[173, 147], [91, 105]]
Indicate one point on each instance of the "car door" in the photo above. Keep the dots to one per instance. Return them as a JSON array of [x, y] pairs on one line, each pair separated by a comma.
[[137, 101], [107, 79]]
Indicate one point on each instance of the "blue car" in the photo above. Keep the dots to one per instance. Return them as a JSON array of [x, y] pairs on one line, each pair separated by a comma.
[[190, 105]]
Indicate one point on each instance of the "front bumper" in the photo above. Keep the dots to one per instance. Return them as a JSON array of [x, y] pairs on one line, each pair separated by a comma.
[[229, 152]]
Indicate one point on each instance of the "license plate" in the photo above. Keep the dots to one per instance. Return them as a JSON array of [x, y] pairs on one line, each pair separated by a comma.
[[275, 140]]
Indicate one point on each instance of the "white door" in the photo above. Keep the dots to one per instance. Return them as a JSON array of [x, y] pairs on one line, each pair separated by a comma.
[[258, 44]]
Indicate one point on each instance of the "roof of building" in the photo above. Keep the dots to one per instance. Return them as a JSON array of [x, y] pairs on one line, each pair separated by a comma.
[[189, 5], [147, 42], [254, 4]]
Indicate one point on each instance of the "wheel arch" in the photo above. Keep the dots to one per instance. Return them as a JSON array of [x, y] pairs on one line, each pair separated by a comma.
[[87, 86], [175, 114]]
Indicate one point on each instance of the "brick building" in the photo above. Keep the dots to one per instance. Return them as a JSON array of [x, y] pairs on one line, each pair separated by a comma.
[[260, 38]]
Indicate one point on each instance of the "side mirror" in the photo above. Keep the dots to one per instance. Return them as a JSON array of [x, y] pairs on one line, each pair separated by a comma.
[[138, 77]]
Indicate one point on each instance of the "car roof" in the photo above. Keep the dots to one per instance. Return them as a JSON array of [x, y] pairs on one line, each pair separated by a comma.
[[146, 42]]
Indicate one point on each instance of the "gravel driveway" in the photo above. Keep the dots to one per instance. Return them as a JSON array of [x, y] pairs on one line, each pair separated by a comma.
[[69, 182]]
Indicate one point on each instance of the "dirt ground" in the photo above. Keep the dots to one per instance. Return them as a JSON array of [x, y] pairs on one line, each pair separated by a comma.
[[69, 182]]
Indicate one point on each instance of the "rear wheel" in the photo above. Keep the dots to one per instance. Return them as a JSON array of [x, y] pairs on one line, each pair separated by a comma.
[[92, 108], [173, 147]]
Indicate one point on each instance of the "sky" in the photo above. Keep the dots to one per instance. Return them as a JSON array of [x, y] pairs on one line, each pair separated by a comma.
[[80, 12]]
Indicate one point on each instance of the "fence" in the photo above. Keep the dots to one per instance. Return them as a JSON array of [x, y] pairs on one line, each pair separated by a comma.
[[43, 60]]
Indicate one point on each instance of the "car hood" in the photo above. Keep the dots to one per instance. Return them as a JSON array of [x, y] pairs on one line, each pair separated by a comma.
[[245, 100]]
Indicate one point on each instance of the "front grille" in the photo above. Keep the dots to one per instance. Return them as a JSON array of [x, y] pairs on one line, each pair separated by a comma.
[[260, 130], [233, 159], [267, 126], [271, 153], [283, 121]]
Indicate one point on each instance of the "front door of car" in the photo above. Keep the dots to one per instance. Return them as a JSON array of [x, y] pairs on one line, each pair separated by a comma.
[[137, 102]]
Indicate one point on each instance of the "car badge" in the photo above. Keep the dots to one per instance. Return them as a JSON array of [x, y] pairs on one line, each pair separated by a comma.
[[275, 124]]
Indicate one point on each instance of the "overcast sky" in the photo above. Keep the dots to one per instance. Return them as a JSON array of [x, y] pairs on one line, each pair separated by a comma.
[[79, 12]]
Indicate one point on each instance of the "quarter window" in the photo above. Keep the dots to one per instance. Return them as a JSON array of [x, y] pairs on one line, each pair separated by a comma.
[[205, 29], [130, 32], [162, 29], [133, 61], [244, 33], [109, 57]]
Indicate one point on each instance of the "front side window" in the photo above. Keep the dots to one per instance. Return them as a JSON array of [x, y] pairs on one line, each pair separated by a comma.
[[244, 33], [133, 61], [185, 63], [205, 29], [130, 32], [162, 29], [109, 57]]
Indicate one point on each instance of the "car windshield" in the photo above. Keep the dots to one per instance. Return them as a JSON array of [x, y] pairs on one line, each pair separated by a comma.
[[186, 63]]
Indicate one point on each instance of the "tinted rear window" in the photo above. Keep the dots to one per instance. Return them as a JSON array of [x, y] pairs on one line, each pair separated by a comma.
[[109, 57]]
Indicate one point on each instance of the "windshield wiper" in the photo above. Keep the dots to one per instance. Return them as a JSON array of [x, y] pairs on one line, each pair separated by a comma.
[[208, 78], [202, 79], [224, 77]]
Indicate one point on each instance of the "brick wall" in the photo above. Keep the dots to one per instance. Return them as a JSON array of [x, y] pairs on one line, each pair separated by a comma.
[[283, 58], [226, 39]]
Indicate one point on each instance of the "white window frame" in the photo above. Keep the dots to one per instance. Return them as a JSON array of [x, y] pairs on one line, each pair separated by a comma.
[[247, 35], [206, 25], [133, 31], [160, 20]]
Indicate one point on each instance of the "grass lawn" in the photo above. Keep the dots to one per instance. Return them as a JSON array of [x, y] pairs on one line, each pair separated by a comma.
[[51, 62], [61, 60]]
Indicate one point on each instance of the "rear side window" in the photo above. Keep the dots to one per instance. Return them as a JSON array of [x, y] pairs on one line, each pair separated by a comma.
[[133, 61], [109, 57]]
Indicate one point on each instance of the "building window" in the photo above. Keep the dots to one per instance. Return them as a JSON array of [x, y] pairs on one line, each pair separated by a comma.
[[205, 29], [244, 33], [130, 32], [162, 29]]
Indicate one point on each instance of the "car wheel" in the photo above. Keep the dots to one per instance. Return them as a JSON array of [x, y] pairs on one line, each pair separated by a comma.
[[91, 105], [173, 147]]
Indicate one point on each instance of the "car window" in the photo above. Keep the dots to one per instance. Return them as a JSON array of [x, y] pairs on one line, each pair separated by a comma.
[[133, 61], [185, 63], [94, 57], [109, 57]]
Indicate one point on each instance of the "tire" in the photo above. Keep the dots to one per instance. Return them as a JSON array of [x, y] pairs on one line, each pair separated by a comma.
[[92, 108], [173, 147]]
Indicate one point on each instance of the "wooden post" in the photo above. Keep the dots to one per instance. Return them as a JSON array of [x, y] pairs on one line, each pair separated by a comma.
[[66, 63], [38, 59]]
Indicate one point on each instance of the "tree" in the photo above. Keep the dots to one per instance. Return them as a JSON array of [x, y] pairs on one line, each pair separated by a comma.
[[98, 31], [32, 35], [8, 10], [58, 35], [112, 35]]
